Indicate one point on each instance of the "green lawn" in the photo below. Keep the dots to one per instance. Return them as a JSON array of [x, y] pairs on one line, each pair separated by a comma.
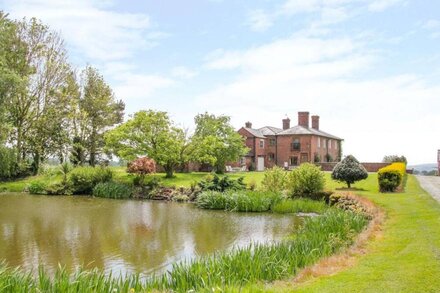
[[406, 258]]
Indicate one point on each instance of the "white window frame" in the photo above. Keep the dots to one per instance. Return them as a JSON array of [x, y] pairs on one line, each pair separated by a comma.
[[261, 143], [319, 142], [329, 144]]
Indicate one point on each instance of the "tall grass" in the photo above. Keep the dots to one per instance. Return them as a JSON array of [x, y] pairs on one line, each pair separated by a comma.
[[239, 200], [112, 190], [318, 237], [299, 205]]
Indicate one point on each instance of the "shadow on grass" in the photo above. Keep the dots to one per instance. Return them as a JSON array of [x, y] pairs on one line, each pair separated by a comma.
[[350, 189]]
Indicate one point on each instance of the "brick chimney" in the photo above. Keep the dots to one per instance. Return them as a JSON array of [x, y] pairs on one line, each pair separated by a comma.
[[315, 122], [303, 119], [286, 123], [248, 124]]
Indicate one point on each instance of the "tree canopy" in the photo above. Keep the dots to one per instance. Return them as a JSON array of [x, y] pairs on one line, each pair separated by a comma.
[[349, 170]]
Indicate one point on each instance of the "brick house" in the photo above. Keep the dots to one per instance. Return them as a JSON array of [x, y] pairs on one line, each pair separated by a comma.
[[289, 146]]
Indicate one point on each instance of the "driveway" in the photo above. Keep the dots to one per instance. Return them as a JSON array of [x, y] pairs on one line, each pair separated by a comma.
[[431, 184]]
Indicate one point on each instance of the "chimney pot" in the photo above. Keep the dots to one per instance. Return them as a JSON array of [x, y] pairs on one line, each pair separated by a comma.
[[303, 119], [315, 122], [248, 124], [286, 123]]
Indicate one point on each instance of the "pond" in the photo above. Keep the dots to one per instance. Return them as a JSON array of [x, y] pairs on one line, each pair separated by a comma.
[[123, 236]]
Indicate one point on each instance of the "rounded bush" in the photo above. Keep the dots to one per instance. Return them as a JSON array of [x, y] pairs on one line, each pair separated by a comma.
[[84, 179], [349, 170], [305, 181]]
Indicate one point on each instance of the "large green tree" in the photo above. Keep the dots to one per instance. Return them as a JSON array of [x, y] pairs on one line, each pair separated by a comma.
[[150, 133], [98, 111], [216, 142]]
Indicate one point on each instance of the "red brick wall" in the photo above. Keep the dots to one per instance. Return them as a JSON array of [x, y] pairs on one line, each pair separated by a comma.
[[371, 167]]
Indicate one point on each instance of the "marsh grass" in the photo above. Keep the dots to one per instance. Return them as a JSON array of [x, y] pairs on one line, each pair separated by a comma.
[[299, 205], [317, 238], [239, 201]]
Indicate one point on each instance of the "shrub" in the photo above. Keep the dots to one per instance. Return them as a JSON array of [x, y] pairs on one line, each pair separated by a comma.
[[84, 179], [58, 189], [274, 180], [37, 187], [391, 177], [349, 170], [142, 167], [112, 190], [240, 201], [216, 183], [305, 181]]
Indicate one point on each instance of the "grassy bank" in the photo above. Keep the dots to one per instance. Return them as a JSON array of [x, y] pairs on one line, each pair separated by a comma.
[[403, 258], [120, 175]]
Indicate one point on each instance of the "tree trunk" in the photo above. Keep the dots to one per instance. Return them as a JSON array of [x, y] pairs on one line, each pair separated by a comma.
[[349, 184], [169, 170]]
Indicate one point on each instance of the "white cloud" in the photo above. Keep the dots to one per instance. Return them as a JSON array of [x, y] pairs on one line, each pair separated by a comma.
[[259, 21], [381, 5], [183, 72], [432, 26], [376, 116], [91, 28]]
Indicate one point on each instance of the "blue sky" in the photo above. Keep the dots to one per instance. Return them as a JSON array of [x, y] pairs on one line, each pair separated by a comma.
[[369, 68]]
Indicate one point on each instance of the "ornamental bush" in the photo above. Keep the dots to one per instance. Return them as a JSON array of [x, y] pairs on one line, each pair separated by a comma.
[[274, 180], [84, 179], [349, 170], [217, 183], [391, 177], [141, 167], [305, 181]]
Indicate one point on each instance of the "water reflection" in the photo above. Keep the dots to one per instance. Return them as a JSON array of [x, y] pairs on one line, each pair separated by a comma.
[[122, 236]]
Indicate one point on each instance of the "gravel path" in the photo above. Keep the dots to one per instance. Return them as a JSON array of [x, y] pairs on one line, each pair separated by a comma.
[[431, 184]]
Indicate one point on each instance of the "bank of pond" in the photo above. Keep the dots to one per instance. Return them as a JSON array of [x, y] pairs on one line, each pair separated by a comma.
[[225, 235]]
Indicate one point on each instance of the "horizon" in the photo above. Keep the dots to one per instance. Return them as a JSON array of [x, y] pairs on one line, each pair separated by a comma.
[[368, 68]]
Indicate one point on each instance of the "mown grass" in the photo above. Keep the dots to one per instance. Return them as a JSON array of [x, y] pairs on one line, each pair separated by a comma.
[[317, 238]]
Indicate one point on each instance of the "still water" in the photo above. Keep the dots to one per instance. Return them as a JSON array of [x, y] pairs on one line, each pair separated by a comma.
[[122, 236]]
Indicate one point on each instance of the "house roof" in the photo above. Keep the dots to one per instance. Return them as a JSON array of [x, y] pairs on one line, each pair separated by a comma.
[[296, 130]]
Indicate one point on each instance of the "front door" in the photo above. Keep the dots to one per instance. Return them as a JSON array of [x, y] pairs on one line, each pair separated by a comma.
[[260, 164], [304, 158]]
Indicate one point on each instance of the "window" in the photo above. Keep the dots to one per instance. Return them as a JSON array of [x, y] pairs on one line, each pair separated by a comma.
[[319, 142], [324, 142], [272, 142], [336, 145], [296, 146], [330, 144], [271, 157], [293, 161], [262, 143]]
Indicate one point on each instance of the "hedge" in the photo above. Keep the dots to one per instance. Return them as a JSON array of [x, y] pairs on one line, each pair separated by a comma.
[[392, 177]]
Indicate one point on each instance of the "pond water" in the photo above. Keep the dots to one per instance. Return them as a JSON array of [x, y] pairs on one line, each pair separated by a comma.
[[123, 236]]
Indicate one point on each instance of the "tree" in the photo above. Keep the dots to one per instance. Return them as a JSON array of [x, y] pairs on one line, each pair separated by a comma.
[[349, 170], [152, 134], [394, 159], [216, 142], [142, 166], [98, 111]]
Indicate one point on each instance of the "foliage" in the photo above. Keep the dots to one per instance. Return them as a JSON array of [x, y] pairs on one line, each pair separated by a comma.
[[349, 170], [37, 187], [65, 169], [349, 203], [141, 167], [216, 142], [391, 177], [274, 180], [328, 158], [152, 134], [112, 190], [305, 181], [239, 201], [58, 189], [299, 205], [101, 111], [8, 166], [84, 179], [394, 159], [317, 158], [217, 183]]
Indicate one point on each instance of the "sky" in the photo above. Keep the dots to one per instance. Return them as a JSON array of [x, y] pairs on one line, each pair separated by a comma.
[[369, 68]]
